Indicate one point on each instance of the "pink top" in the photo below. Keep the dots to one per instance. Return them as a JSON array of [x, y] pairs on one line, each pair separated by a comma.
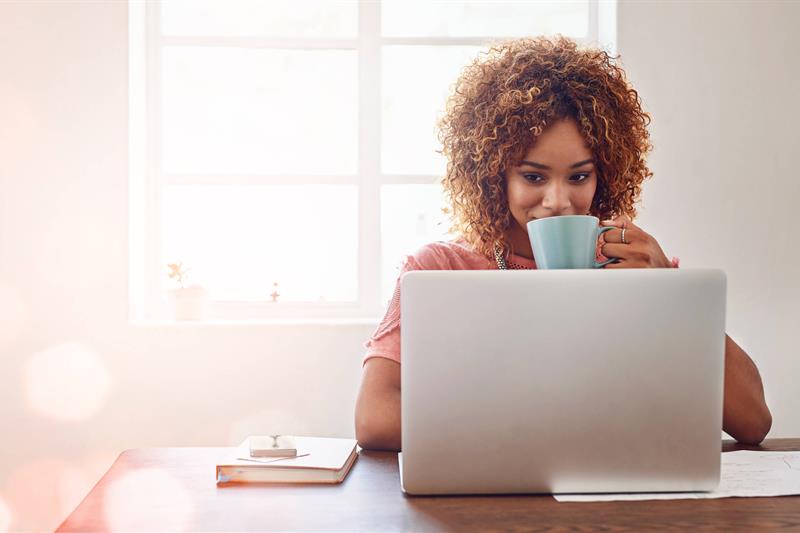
[[441, 255]]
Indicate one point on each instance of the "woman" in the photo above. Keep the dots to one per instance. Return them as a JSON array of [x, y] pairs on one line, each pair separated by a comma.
[[539, 128]]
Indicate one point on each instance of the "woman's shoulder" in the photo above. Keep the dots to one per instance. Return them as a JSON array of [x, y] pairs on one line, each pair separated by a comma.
[[455, 254]]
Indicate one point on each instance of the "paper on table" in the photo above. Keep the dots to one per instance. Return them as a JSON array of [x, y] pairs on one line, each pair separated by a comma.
[[743, 473]]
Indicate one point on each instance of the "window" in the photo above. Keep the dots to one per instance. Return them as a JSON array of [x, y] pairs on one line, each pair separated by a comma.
[[289, 147]]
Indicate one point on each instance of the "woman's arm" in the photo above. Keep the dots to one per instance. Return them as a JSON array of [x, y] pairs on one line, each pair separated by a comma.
[[745, 415], [377, 414]]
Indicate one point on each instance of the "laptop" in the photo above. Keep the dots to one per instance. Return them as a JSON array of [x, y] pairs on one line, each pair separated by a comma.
[[562, 381]]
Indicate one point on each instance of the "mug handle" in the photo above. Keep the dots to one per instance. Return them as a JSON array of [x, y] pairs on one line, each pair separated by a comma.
[[613, 259]]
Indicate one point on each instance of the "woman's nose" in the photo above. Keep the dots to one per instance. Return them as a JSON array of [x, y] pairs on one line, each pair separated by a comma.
[[556, 199]]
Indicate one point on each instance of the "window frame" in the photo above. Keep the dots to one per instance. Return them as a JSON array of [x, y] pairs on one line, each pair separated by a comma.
[[146, 302]]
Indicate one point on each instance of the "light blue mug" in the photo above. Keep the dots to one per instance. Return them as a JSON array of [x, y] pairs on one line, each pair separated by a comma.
[[568, 241]]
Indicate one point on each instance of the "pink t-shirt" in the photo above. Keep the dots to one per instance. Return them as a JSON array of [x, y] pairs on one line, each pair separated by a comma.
[[441, 255]]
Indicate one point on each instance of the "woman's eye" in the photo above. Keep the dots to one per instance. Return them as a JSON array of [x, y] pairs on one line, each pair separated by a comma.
[[536, 178]]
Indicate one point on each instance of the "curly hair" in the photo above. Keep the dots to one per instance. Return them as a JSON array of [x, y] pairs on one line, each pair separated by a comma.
[[506, 98]]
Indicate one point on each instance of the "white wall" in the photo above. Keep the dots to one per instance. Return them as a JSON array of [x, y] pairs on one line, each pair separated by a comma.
[[63, 278], [719, 81]]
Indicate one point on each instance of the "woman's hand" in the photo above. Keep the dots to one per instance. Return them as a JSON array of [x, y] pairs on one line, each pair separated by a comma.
[[640, 250]]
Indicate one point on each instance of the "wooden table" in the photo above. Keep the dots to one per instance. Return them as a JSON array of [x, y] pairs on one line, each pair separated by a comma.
[[153, 489]]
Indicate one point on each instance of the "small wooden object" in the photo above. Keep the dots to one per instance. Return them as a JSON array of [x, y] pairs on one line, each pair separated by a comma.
[[272, 446]]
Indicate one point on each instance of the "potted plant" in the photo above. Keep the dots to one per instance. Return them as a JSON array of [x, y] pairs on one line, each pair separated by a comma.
[[187, 302]]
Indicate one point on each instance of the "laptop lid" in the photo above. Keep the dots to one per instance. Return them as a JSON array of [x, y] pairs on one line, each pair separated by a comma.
[[562, 380]]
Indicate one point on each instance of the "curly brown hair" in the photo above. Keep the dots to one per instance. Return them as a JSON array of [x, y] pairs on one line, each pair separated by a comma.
[[506, 98]]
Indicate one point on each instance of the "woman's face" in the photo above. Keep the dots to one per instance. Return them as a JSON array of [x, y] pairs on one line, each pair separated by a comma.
[[556, 177]]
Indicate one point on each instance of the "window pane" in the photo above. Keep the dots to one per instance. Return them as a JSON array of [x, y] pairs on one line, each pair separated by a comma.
[[240, 240], [425, 18], [266, 18], [411, 215], [412, 107], [259, 111]]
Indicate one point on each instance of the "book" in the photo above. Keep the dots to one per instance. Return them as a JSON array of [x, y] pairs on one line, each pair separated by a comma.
[[318, 460]]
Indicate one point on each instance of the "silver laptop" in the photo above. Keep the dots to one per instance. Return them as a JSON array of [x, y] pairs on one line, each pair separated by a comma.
[[562, 381]]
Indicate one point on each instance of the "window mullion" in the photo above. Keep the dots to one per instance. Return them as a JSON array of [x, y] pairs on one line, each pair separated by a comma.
[[155, 305], [592, 30], [606, 25], [257, 179], [439, 41], [255, 42], [410, 179], [369, 161]]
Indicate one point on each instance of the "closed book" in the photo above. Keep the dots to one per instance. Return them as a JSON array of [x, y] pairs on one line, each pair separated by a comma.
[[318, 460]]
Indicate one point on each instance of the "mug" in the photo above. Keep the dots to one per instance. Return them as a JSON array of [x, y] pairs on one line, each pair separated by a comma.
[[568, 241]]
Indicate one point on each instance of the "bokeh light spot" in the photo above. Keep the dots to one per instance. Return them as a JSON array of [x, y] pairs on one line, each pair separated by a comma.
[[167, 502], [14, 314], [66, 382], [33, 494], [5, 516]]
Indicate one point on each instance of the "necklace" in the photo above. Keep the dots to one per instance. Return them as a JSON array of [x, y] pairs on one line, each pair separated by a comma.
[[499, 259]]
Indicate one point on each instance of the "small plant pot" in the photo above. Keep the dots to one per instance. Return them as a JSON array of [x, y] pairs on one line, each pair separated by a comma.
[[189, 303]]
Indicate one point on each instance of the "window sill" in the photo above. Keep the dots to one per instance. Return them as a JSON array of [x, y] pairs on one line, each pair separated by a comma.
[[269, 322]]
